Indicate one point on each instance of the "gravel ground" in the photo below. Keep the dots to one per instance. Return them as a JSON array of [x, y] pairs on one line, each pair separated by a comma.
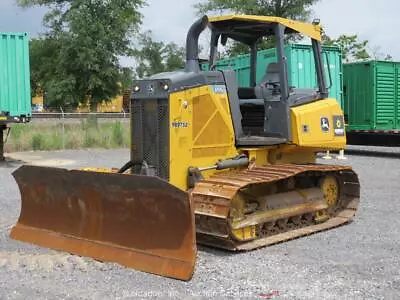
[[374, 149], [357, 261]]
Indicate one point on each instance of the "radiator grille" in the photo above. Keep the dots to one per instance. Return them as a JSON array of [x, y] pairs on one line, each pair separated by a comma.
[[150, 134]]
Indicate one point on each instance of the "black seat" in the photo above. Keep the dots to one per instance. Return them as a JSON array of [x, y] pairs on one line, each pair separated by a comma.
[[271, 76], [246, 93]]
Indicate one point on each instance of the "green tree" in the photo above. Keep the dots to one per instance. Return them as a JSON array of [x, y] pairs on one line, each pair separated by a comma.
[[89, 37], [352, 48], [290, 9], [40, 55], [156, 57], [126, 77]]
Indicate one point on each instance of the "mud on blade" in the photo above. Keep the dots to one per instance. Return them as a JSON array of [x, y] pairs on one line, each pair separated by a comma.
[[137, 221]]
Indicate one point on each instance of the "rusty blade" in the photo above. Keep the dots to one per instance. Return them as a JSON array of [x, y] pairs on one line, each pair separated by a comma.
[[137, 221]]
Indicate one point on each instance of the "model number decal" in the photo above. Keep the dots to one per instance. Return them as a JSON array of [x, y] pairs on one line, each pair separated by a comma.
[[338, 125], [180, 124]]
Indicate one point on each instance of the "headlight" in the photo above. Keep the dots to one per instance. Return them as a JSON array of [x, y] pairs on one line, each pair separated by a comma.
[[165, 87], [136, 88]]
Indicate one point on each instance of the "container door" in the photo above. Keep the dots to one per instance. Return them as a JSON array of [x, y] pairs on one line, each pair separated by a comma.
[[385, 96], [15, 88], [302, 72], [397, 125], [301, 67], [359, 94], [336, 73]]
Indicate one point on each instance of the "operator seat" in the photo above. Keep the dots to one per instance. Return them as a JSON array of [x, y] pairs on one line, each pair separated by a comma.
[[271, 79], [268, 86], [254, 99]]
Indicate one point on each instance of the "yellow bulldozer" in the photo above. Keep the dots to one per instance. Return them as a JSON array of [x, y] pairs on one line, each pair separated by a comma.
[[211, 163]]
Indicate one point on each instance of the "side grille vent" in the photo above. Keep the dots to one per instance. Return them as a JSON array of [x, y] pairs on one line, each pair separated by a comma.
[[150, 135]]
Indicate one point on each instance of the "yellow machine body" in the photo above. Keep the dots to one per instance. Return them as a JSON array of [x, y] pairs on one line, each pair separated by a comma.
[[206, 133]]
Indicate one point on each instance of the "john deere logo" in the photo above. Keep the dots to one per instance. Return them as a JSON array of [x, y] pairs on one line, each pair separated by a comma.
[[325, 124]]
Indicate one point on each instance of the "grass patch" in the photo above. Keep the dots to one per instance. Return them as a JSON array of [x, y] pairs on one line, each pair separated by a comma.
[[118, 134], [50, 136], [38, 142]]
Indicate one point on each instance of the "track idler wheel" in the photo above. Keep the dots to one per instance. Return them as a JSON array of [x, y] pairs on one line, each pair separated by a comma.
[[330, 189]]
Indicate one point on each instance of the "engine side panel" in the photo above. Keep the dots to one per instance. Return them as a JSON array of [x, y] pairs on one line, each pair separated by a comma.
[[318, 125], [201, 131]]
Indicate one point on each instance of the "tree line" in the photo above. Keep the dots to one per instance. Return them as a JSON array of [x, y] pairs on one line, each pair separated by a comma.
[[78, 55]]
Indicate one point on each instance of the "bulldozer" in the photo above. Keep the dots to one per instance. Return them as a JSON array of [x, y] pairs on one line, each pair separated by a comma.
[[211, 163]]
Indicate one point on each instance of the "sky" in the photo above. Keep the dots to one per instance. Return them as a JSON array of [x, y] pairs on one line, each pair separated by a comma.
[[169, 20]]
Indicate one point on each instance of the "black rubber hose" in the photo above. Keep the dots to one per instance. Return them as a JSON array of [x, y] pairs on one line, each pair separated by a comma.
[[129, 165]]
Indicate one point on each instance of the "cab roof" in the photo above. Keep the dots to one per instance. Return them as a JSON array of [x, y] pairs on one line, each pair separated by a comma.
[[248, 28]]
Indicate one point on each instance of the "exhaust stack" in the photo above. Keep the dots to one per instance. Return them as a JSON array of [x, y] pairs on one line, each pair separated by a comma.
[[192, 44]]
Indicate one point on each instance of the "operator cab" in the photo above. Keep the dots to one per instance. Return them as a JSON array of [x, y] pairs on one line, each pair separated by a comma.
[[261, 111]]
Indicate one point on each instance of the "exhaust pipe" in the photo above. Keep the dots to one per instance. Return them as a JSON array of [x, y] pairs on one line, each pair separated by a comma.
[[192, 44]]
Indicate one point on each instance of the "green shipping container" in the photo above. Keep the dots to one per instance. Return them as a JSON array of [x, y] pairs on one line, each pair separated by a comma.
[[301, 67], [15, 90], [372, 95]]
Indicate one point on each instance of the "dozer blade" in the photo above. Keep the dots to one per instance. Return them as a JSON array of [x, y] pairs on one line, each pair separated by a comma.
[[140, 222]]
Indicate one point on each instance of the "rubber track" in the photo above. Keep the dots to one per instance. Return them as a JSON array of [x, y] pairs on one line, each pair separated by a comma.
[[212, 199]]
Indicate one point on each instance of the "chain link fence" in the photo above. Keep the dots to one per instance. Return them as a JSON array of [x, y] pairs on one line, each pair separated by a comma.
[[59, 131]]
